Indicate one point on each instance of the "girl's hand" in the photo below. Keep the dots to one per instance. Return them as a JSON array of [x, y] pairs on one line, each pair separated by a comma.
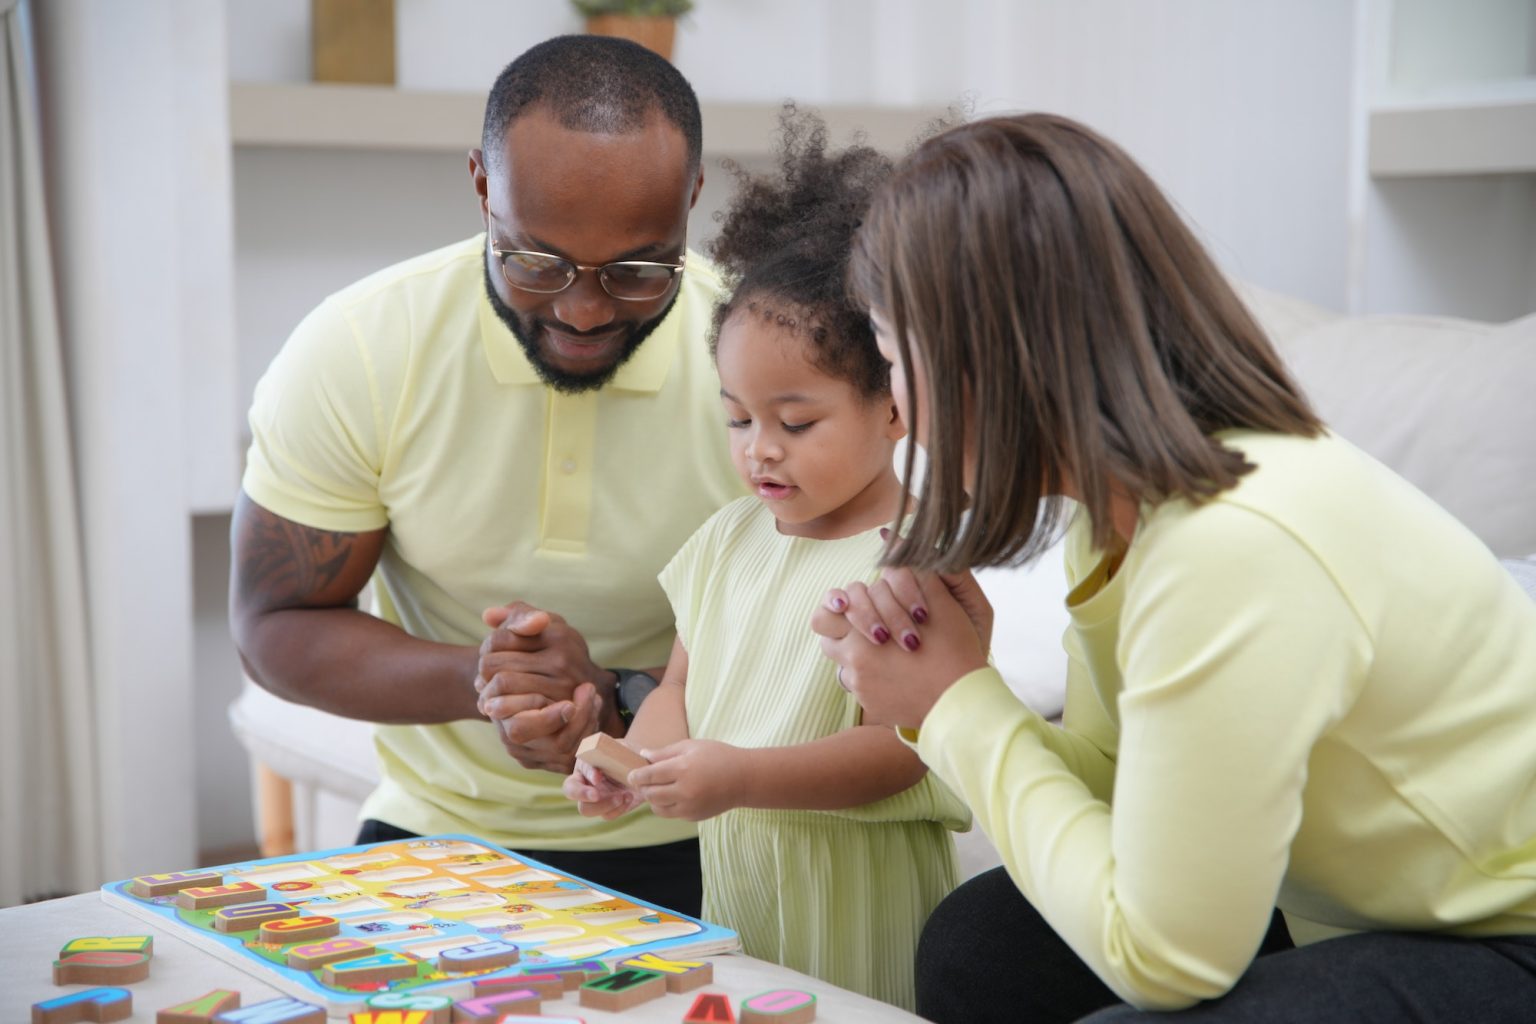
[[597, 795], [898, 683], [692, 779], [896, 605]]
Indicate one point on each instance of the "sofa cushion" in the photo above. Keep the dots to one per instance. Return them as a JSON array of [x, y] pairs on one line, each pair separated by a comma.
[[1449, 404]]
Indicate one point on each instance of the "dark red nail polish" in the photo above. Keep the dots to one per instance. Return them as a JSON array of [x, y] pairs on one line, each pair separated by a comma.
[[919, 615], [839, 605], [881, 634], [910, 641]]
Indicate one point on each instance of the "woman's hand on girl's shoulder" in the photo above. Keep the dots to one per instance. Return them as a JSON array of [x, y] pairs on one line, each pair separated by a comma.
[[692, 779], [598, 796]]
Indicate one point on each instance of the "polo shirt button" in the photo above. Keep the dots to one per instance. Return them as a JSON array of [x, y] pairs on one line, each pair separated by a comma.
[[568, 467]]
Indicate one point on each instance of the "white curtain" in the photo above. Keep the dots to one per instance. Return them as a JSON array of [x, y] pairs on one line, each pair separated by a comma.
[[49, 807]]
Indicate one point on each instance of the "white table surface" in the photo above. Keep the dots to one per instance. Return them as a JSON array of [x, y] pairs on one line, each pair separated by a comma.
[[31, 936]]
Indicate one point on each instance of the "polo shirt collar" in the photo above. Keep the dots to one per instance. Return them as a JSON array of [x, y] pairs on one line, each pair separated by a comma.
[[645, 371]]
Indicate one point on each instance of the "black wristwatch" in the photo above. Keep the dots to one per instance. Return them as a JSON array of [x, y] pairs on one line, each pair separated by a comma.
[[630, 690]]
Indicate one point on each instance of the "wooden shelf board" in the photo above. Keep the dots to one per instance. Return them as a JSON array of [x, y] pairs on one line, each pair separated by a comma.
[[384, 118], [1496, 136]]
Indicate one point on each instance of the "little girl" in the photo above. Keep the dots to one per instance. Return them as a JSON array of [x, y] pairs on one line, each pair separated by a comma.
[[824, 843]]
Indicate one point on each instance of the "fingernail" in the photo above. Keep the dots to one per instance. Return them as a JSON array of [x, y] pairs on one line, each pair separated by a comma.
[[919, 615], [881, 634], [885, 533], [910, 641], [839, 605]]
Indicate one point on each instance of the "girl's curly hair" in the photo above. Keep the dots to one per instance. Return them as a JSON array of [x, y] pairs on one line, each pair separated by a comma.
[[785, 242]]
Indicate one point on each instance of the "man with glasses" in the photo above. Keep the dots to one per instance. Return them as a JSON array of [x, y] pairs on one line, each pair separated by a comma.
[[516, 431]]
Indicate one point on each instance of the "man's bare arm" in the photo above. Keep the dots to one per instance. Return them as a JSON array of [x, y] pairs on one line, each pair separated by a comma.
[[293, 612]]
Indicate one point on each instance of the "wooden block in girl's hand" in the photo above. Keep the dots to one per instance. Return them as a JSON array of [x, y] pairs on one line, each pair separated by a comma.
[[610, 757]]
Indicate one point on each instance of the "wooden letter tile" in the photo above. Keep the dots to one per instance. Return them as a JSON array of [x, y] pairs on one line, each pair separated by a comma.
[[434, 1009], [547, 985], [369, 969], [207, 897], [286, 1010], [577, 975], [110, 943], [249, 916], [623, 989], [710, 1008], [482, 956], [150, 886], [299, 929], [92, 1004], [103, 967], [200, 1010], [490, 1009], [779, 1006], [316, 955], [681, 975]]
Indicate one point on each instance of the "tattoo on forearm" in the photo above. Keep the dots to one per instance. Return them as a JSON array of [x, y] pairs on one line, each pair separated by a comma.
[[283, 563]]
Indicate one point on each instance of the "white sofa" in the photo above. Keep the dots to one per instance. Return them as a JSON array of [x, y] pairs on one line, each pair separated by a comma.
[[1450, 404]]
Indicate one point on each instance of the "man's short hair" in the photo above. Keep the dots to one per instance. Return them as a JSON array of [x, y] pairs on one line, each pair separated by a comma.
[[592, 84]]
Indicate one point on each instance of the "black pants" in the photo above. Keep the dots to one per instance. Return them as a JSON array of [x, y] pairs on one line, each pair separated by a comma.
[[987, 955], [667, 875]]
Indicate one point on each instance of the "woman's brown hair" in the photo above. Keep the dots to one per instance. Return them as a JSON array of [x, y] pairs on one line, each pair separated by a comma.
[[1041, 281]]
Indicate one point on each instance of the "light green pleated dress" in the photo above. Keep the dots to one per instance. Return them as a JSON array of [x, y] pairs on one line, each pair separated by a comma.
[[840, 895]]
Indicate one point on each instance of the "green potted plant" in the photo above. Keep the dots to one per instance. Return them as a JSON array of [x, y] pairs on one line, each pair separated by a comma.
[[651, 23]]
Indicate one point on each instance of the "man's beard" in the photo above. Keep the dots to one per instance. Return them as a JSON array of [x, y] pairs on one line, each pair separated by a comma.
[[568, 383]]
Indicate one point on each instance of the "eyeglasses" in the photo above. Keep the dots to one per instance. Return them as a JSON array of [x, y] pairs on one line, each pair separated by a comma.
[[630, 280]]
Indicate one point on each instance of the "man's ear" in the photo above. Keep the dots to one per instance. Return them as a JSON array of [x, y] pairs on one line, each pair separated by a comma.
[[480, 178], [698, 186]]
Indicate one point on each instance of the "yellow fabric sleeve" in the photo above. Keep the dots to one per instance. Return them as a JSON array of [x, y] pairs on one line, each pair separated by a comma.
[[1229, 679]]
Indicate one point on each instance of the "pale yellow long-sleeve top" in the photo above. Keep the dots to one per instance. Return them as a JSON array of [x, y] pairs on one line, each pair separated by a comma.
[[1316, 690]]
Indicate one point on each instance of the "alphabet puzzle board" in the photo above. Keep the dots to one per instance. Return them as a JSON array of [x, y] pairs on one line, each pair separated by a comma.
[[415, 898]]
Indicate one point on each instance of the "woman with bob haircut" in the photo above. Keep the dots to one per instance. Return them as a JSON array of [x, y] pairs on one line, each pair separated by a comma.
[[1293, 679]]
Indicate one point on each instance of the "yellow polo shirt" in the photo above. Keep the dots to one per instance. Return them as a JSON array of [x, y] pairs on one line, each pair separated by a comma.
[[403, 402], [1316, 690]]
